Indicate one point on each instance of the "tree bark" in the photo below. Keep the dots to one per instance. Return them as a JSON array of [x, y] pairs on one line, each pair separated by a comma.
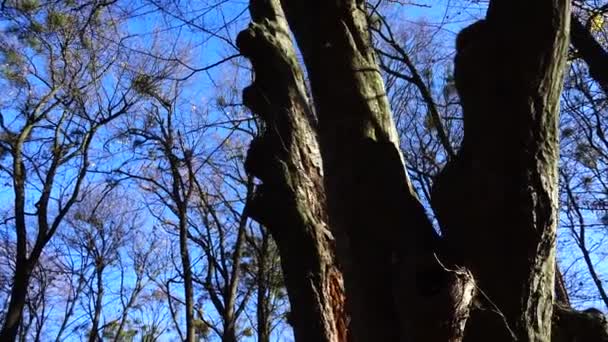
[[497, 202], [572, 326], [396, 288], [290, 201]]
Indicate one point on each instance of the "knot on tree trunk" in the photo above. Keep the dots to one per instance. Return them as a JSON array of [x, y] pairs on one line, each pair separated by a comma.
[[285, 157]]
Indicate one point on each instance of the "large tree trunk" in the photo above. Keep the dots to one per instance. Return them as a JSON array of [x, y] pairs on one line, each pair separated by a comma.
[[396, 288], [290, 202], [497, 201]]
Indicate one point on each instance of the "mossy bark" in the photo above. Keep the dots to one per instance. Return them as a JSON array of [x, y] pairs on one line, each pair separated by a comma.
[[290, 202], [385, 241], [334, 187]]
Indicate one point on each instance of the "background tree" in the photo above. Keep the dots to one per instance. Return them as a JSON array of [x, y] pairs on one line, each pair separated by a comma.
[[56, 66], [264, 272], [102, 230]]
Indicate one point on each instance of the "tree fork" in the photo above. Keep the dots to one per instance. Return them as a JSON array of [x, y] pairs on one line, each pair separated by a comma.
[[397, 290]]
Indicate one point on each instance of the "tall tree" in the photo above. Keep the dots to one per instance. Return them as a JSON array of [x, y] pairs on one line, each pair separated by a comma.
[[496, 200], [101, 222], [55, 68], [264, 270], [286, 157], [166, 175], [510, 159]]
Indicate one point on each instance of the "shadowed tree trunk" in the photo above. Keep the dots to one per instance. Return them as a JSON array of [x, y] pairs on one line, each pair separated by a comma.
[[573, 326], [13, 316], [367, 185], [496, 201], [386, 243]]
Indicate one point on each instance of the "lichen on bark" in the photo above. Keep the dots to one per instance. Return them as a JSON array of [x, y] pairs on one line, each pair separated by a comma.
[[290, 202]]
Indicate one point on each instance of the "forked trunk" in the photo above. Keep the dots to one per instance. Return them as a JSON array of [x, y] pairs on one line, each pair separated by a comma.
[[496, 201], [397, 289]]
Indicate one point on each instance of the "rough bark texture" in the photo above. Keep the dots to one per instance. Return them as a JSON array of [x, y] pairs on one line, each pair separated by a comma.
[[497, 201], [290, 202], [384, 238]]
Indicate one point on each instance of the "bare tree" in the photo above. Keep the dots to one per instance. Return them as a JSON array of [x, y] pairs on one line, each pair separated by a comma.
[[56, 62], [101, 224], [264, 272]]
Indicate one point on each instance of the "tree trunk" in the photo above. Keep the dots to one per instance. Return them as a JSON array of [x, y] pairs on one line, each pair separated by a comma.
[[230, 315], [94, 333], [229, 318], [573, 326], [12, 319], [497, 202], [290, 202], [262, 288], [23, 265], [229, 333], [186, 268], [385, 241]]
